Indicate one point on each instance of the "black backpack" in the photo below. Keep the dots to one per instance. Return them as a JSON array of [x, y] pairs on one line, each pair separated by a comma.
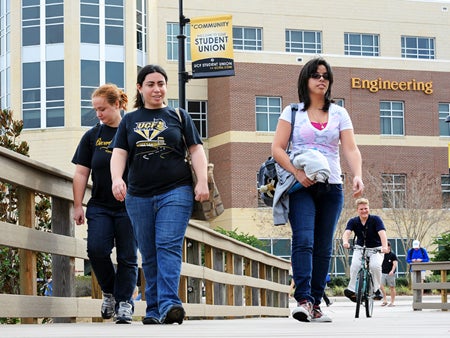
[[267, 178]]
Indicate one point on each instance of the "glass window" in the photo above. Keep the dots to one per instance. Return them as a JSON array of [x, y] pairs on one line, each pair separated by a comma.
[[173, 30], [54, 22], [55, 117], [198, 111], [90, 73], [31, 95], [268, 111], [247, 38], [55, 93], [114, 32], [298, 41], [89, 21], [445, 188], [340, 102], [444, 112], [90, 80], [55, 73], [414, 47], [392, 117], [394, 190], [141, 25], [115, 73], [280, 247], [361, 44], [31, 76], [31, 24]]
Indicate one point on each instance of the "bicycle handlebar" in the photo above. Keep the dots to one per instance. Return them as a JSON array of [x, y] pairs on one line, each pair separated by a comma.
[[358, 247]]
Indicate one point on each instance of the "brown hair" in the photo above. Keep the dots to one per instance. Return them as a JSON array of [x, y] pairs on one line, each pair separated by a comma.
[[112, 94]]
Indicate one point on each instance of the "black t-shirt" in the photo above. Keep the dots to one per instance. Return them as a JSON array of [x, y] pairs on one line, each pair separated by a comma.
[[93, 152], [388, 261], [367, 233], [156, 150]]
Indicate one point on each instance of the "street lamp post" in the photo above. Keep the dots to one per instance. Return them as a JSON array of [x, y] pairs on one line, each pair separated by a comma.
[[183, 76]]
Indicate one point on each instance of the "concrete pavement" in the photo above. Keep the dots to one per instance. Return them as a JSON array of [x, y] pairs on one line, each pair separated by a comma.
[[398, 321]]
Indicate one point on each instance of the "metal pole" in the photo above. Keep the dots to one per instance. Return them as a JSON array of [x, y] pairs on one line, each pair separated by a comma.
[[183, 77]]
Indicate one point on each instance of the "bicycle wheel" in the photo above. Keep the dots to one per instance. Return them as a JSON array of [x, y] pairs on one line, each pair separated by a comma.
[[368, 301], [359, 291]]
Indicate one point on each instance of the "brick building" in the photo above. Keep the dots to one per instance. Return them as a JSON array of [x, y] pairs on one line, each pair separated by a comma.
[[391, 73]]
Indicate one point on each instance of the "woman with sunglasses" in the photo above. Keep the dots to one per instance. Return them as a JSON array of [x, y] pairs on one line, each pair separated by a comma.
[[315, 209]]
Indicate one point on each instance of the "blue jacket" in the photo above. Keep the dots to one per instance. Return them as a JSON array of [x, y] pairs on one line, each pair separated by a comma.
[[420, 253]]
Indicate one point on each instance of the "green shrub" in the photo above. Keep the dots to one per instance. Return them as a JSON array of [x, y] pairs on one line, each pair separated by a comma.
[[402, 281], [340, 281]]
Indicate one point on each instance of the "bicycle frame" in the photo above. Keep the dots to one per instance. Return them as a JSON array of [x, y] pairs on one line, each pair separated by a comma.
[[364, 283]]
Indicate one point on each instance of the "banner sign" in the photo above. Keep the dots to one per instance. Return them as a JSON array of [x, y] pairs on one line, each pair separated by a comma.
[[212, 46]]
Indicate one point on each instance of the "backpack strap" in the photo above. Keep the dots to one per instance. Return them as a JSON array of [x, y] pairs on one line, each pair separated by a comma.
[[422, 251], [294, 108]]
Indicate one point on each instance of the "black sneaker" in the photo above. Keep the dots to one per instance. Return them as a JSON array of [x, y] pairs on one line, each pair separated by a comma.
[[174, 315], [150, 321], [350, 295], [377, 295]]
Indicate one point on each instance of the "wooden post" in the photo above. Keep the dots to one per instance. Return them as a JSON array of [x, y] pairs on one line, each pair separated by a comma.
[[63, 268], [209, 290], [96, 293], [248, 289], [444, 291], [263, 292], [28, 272], [229, 268]]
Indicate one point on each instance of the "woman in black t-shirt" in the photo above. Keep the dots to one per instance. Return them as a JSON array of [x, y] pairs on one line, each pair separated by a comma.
[[158, 194], [107, 218]]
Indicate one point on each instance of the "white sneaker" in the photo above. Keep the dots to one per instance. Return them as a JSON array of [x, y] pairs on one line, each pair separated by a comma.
[[319, 316], [303, 312], [124, 313], [108, 305]]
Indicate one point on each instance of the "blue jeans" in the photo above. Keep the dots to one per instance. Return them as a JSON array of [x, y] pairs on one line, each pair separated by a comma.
[[160, 224], [108, 228], [313, 216]]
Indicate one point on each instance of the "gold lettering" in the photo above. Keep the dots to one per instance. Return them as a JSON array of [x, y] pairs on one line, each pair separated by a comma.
[[356, 82], [379, 84]]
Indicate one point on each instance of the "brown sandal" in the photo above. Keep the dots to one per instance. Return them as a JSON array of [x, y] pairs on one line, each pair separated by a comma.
[[384, 304]]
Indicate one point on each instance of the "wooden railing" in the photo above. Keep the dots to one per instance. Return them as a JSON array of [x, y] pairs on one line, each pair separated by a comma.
[[418, 285], [221, 277]]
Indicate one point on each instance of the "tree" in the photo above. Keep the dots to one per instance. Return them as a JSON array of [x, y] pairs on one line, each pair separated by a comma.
[[413, 210], [442, 253]]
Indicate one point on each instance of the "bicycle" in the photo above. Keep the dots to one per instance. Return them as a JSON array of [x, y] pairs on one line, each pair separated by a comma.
[[364, 290]]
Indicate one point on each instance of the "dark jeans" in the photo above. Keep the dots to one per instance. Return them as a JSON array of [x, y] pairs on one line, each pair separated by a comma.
[[313, 215], [106, 229]]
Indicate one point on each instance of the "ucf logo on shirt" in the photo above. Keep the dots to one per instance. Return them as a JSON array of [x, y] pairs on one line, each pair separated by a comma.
[[150, 131]]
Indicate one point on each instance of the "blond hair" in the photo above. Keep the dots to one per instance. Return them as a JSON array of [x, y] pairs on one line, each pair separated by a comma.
[[112, 93], [361, 201]]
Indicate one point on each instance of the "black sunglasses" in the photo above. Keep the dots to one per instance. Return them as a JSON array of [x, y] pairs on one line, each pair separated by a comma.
[[317, 76]]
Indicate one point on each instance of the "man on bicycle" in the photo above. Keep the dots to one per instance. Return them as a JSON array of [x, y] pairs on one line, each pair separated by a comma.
[[369, 231]]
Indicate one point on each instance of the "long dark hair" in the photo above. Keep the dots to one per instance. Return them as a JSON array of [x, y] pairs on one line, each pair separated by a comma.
[[305, 74], [138, 102]]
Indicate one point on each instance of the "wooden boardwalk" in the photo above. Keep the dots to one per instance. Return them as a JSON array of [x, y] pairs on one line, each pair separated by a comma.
[[399, 321]]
